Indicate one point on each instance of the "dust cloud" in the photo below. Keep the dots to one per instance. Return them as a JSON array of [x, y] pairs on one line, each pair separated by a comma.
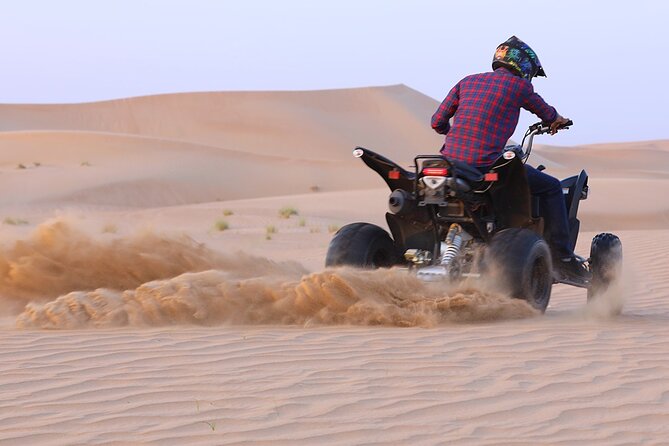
[[609, 304], [60, 257], [67, 279]]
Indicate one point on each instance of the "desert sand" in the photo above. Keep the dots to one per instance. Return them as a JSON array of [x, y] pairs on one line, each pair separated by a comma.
[[150, 292]]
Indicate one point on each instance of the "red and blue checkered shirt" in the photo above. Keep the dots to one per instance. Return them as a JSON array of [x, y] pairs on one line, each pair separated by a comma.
[[486, 108]]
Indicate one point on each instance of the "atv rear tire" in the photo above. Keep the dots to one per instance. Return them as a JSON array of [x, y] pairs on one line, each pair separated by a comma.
[[606, 258], [520, 262], [362, 245]]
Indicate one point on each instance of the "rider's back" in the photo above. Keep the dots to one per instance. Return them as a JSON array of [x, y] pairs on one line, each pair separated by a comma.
[[486, 108]]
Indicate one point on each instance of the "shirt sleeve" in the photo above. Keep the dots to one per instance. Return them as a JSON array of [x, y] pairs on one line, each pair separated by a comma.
[[536, 104], [446, 111]]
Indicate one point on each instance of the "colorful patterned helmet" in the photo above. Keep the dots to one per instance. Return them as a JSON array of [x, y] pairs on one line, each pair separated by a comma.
[[516, 55]]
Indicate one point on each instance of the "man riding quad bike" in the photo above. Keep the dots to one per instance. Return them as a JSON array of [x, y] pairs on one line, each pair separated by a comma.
[[477, 208]]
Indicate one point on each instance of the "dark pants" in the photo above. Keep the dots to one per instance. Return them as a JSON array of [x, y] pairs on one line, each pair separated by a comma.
[[553, 209]]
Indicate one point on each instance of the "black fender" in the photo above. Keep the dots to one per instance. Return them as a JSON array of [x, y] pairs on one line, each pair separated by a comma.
[[392, 173], [510, 194], [577, 187]]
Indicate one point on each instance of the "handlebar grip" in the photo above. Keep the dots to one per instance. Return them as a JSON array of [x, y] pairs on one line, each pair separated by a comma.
[[566, 125]]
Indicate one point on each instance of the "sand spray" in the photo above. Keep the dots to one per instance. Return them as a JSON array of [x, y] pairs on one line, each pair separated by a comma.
[[62, 278], [609, 304]]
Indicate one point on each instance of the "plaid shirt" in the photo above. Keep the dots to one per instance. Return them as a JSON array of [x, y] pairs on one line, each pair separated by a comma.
[[486, 108]]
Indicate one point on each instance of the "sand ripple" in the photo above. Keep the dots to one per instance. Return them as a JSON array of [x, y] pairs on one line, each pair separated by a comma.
[[540, 380]]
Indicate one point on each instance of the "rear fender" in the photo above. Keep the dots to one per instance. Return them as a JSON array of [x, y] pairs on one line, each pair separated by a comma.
[[510, 195], [395, 176], [416, 231], [577, 190]]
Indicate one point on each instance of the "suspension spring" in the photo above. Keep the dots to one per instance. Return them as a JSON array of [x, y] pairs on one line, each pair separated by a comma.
[[453, 244], [452, 250]]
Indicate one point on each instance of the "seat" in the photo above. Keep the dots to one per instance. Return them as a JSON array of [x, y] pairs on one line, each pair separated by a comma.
[[469, 173]]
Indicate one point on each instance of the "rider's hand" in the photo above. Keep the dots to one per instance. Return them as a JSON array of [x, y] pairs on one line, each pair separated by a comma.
[[559, 122]]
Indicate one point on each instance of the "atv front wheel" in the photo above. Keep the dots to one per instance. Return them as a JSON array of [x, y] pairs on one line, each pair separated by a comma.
[[363, 245], [519, 261], [606, 258]]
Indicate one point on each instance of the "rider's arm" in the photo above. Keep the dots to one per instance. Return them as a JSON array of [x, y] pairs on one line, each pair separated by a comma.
[[536, 104], [446, 111]]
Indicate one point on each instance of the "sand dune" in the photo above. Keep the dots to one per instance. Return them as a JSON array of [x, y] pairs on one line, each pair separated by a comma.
[[322, 125], [120, 170], [644, 159], [190, 148], [128, 316], [103, 169]]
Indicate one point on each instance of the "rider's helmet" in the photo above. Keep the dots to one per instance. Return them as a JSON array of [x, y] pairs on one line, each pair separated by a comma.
[[517, 56]]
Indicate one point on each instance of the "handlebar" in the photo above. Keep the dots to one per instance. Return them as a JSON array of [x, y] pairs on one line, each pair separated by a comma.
[[539, 129], [542, 127]]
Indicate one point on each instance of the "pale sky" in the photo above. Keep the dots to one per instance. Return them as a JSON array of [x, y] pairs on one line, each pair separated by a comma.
[[607, 61]]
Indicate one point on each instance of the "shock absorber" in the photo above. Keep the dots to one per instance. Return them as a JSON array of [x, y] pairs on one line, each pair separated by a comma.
[[451, 246]]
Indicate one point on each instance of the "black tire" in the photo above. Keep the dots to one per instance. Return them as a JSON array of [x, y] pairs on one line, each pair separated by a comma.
[[362, 245], [519, 261], [606, 258]]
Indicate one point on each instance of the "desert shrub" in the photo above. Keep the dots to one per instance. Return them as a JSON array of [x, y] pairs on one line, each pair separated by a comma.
[[110, 228], [15, 221], [286, 212], [221, 225]]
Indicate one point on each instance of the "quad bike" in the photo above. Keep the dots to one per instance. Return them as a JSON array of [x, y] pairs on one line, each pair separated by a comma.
[[450, 221]]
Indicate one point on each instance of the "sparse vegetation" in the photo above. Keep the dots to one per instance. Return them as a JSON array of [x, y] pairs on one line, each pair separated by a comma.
[[314, 188], [269, 230], [24, 166], [333, 228], [227, 212], [302, 223], [110, 228], [15, 221], [85, 164], [286, 212], [314, 229], [221, 225]]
